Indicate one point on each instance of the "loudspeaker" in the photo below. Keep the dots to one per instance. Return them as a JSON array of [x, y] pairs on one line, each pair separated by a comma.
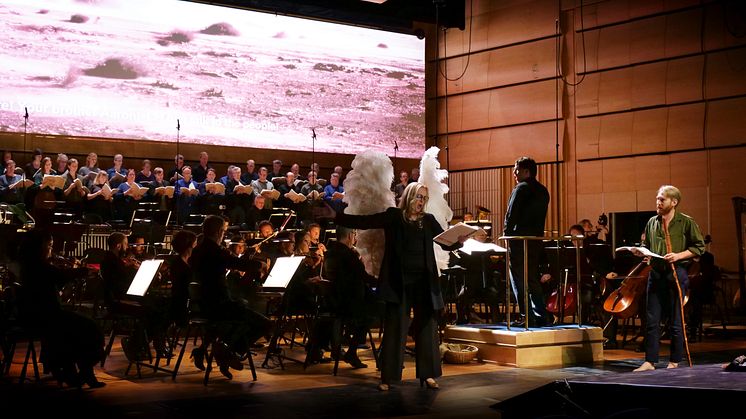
[[626, 228]]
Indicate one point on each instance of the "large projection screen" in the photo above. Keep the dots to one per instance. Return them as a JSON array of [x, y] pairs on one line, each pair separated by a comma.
[[131, 68]]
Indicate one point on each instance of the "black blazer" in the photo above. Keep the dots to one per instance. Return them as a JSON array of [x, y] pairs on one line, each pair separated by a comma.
[[527, 209], [390, 286]]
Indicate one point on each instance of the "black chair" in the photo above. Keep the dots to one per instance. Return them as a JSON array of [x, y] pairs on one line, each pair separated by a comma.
[[210, 331], [12, 333]]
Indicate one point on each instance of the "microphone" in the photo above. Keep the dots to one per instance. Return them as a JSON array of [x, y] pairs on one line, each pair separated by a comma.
[[396, 146], [178, 126], [26, 115], [313, 131]]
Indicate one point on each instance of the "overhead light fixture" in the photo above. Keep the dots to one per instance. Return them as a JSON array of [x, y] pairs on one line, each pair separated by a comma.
[[375, 1]]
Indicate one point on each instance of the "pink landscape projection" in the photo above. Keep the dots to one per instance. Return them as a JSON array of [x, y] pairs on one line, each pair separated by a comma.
[[131, 68]]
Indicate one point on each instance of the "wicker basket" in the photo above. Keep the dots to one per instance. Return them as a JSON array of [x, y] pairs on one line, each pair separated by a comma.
[[459, 353]]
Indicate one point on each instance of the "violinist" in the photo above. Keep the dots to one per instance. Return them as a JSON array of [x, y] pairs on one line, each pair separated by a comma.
[[314, 231], [677, 237], [72, 343], [210, 263], [117, 270], [314, 256], [243, 285], [137, 249]]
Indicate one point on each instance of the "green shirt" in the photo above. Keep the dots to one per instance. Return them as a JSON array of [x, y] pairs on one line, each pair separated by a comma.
[[685, 235]]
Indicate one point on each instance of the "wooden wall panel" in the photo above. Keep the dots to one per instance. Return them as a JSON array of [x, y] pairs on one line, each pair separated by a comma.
[[495, 108], [725, 73], [684, 129], [683, 82], [649, 130], [648, 85], [616, 134], [588, 134], [618, 175], [590, 177], [719, 32], [689, 169], [500, 67], [683, 33], [651, 172], [725, 122], [501, 147], [625, 201]]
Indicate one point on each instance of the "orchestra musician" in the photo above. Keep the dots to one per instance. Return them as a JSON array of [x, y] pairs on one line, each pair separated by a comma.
[[210, 263], [352, 298], [72, 344]]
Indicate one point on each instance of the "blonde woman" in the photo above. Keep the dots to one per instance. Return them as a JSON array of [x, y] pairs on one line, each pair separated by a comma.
[[408, 279]]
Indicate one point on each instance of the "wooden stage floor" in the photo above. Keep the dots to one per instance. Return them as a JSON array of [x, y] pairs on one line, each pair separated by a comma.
[[466, 390]]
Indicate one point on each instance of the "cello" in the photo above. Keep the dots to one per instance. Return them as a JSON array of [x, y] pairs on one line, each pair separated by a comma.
[[624, 302], [565, 293]]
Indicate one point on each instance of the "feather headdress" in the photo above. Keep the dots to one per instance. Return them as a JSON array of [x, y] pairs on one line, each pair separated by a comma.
[[368, 191], [432, 176]]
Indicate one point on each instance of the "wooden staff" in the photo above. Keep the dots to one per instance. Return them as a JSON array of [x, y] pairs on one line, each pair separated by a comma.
[[678, 288]]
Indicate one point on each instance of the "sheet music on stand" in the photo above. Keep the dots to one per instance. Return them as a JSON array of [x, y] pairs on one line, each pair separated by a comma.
[[282, 272], [144, 277]]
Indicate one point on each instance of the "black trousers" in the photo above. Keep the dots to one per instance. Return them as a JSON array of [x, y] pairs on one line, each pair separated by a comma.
[[424, 330], [535, 292], [663, 301]]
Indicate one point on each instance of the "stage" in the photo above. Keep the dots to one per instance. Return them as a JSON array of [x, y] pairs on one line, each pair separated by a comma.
[[690, 392], [555, 346]]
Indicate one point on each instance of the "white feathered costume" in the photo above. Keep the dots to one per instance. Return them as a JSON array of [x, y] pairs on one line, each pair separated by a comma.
[[368, 191]]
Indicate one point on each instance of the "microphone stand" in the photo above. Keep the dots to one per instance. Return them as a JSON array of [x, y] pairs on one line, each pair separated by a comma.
[[313, 150], [396, 148], [25, 133], [178, 130]]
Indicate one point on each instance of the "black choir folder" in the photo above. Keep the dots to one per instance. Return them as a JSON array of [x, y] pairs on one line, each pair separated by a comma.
[[144, 277], [450, 236]]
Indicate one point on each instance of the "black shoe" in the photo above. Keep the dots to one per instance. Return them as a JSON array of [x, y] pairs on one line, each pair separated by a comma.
[[352, 359], [198, 356], [226, 372]]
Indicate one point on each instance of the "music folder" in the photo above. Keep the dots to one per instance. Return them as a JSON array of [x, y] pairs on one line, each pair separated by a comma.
[[144, 277], [282, 272]]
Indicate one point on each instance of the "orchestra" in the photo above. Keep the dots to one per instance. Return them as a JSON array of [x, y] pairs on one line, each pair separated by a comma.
[[111, 197]]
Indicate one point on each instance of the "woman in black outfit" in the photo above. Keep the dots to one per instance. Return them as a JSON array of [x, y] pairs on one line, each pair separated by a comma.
[[72, 344], [408, 279]]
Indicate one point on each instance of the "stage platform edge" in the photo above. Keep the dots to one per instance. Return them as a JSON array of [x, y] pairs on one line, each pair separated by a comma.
[[556, 346]]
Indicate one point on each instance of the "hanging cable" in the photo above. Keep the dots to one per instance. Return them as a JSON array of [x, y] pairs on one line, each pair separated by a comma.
[[582, 38], [445, 50]]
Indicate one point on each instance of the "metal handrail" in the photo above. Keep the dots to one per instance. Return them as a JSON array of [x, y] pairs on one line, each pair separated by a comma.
[[525, 240]]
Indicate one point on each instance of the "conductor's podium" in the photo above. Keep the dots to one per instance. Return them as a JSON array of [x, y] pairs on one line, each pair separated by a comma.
[[560, 345]]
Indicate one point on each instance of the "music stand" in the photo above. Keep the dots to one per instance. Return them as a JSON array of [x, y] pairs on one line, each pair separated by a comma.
[[282, 272], [144, 277], [277, 281]]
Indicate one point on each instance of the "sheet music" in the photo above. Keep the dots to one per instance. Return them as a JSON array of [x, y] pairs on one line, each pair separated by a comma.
[[450, 236], [144, 277], [282, 272], [470, 246], [645, 251]]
